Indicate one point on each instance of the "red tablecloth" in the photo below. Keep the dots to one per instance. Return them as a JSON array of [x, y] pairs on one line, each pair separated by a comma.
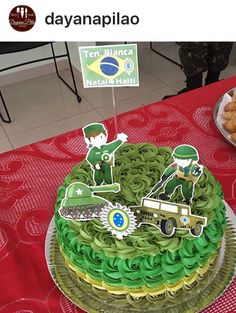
[[29, 178]]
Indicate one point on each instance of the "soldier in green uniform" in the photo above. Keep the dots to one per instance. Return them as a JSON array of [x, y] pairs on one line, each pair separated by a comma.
[[199, 57], [183, 173], [101, 154]]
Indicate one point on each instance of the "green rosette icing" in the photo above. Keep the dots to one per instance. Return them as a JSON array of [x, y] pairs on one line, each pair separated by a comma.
[[145, 257]]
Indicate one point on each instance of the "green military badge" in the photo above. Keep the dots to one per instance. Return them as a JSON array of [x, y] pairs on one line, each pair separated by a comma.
[[106, 157]]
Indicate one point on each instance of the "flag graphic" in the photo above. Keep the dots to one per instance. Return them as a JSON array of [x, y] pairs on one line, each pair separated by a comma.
[[108, 67]]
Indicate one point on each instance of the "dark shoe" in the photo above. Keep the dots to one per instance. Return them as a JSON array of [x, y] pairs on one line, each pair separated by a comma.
[[212, 77], [192, 82], [188, 202], [178, 93], [163, 196]]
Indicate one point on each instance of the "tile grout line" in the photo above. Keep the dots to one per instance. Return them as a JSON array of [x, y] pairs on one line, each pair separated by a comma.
[[49, 124], [11, 143], [6, 136], [44, 125], [144, 93], [102, 117]]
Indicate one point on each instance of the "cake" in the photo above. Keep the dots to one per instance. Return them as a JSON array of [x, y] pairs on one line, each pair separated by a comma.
[[145, 269]]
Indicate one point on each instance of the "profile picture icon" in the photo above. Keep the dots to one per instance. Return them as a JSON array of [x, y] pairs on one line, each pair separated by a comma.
[[22, 18]]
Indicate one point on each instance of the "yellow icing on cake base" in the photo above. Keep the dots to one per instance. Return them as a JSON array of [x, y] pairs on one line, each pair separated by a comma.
[[144, 291]]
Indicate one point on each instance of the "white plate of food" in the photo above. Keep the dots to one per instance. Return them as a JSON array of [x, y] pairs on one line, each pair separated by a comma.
[[225, 115]]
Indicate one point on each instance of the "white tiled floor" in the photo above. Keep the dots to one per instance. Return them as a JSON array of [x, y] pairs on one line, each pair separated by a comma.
[[43, 107]]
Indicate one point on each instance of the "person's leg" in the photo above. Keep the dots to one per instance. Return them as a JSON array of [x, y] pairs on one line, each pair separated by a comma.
[[194, 81], [187, 191], [107, 172], [217, 59], [98, 177], [212, 77], [193, 57], [169, 188]]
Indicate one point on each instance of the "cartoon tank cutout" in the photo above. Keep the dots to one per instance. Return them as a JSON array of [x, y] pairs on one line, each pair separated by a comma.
[[81, 204]]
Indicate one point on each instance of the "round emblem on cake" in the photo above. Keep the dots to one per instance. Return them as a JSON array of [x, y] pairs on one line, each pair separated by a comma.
[[119, 220]]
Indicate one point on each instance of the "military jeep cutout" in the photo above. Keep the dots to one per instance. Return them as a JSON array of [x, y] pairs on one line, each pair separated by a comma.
[[168, 216]]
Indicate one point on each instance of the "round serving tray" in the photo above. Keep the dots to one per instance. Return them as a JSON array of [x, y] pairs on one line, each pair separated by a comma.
[[203, 295], [215, 114]]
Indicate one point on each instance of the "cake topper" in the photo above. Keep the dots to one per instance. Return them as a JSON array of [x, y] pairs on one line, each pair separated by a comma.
[[101, 154], [80, 204], [168, 216], [183, 173], [119, 220]]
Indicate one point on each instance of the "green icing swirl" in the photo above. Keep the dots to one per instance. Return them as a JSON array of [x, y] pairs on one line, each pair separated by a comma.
[[145, 257]]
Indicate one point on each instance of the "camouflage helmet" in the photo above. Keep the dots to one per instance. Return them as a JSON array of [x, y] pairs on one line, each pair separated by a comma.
[[184, 152], [79, 194]]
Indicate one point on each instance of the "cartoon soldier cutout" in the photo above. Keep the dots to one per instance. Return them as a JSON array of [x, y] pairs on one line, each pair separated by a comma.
[[183, 173], [101, 154]]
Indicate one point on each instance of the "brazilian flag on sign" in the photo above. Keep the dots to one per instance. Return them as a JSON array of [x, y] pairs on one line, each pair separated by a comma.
[[108, 67]]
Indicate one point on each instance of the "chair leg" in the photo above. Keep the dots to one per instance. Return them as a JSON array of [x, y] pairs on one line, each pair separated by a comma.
[[8, 120], [75, 91], [164, 56]]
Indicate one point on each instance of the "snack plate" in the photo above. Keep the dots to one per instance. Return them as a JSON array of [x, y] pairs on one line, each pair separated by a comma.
[[204, 294], [219, 108]]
